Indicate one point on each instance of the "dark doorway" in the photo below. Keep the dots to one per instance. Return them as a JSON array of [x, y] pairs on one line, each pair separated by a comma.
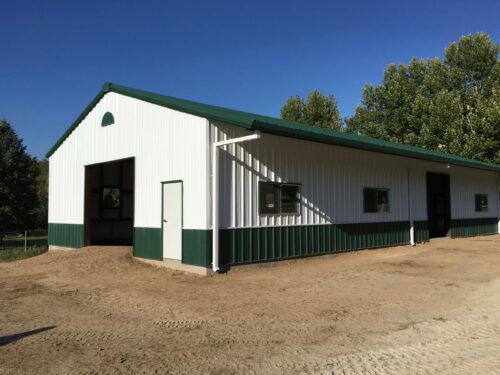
[[438, 204], [109, 203]]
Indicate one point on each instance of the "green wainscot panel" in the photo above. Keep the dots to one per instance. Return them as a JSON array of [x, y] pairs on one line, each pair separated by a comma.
[[421, 231], [148, 243], [197, 247], [66, 235], [250, 245], [473, 227]]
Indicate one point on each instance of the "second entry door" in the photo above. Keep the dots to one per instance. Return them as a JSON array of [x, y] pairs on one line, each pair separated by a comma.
[[172, 220]]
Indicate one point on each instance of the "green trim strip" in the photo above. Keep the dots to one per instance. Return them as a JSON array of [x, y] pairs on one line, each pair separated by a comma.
[[66, 235], [276, 126], [250, 245], [421, 229], [148, 243], [473, 227], [197, 247]]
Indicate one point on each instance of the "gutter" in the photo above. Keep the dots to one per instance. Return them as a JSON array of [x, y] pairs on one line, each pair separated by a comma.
[[215, 192], [410, 212]]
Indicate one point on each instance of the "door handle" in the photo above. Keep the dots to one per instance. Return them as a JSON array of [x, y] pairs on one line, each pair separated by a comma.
[[165, 221]]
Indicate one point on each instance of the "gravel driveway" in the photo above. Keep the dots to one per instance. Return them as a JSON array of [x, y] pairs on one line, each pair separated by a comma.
[[433, 308]]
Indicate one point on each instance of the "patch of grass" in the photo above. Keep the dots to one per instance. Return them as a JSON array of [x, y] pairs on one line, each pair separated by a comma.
[[8, 255]]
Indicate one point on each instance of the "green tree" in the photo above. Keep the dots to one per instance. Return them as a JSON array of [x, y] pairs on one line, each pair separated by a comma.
[[42, 210], [18, 189], [318, 110], [293, 109], [449, 105]]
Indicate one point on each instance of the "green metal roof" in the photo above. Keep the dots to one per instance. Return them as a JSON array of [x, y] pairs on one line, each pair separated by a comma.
[[277, 126]]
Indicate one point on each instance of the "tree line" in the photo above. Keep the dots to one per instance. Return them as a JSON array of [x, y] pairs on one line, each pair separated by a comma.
[[23, 184], [450, 104]]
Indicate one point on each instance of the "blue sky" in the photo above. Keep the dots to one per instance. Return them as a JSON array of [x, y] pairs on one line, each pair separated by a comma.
[[249, 55]]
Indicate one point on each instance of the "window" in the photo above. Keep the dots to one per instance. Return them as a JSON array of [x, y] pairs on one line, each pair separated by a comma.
[[110, 198], [376, 200], [268, 198], [481, 203], [275, 198], [290, 199]]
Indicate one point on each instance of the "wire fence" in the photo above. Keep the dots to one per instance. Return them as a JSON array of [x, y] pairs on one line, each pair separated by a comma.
[[22, 244]]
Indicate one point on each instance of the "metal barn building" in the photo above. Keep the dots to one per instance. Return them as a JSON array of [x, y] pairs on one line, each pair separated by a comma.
[[191, 184]]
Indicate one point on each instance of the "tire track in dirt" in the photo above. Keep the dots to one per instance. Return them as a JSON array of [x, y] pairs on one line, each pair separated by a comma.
[[461, 345], [432, 311]]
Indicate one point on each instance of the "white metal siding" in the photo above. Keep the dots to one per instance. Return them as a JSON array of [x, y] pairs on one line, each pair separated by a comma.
[[466, 183], [166, 144], [332, 179], [170, 145]]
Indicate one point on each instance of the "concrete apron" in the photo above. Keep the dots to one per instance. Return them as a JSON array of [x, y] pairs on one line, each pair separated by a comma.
[[174, 264], [58, 248]]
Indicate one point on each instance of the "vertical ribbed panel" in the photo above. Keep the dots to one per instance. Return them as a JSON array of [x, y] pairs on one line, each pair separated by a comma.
[[148, 243], [167, 145], [66, 235], [421, 229], [332, 179], [473, 227], [250, 245], [197, 247], [170, 145], [465, 184]]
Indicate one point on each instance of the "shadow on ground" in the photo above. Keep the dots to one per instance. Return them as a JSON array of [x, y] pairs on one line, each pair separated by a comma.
[[6, 340]]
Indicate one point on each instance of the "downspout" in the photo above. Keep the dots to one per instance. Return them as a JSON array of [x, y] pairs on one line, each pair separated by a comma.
[[410, 214], [215, 192]]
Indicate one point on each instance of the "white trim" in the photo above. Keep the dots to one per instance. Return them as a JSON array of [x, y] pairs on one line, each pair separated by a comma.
[[410, 211], [215, 192]]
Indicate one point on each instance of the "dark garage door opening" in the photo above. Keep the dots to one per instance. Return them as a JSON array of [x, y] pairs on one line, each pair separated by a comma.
[[109, 203], [438, 204]]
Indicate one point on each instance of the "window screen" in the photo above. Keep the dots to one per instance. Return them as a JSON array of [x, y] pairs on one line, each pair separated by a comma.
[[481, 203], [376, 200]]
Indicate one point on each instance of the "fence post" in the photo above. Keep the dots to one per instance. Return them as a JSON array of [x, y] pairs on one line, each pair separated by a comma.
[[25, 240]]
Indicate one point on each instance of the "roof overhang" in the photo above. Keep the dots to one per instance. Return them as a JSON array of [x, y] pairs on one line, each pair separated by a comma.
[[277, 126]]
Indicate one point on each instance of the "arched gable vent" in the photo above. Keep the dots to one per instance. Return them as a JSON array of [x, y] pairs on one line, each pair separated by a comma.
[[107, 119]]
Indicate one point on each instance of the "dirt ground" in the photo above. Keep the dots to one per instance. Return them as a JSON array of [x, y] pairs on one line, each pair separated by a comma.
[[433, 308]]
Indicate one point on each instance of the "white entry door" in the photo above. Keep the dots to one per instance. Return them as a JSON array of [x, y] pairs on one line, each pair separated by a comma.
[[172, 220]]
